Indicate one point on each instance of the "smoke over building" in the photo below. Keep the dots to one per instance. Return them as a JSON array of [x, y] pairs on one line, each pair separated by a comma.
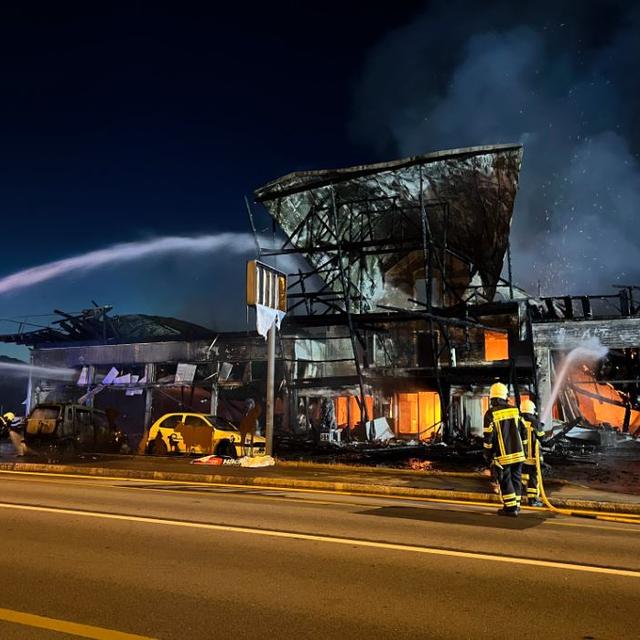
[[542, 74]]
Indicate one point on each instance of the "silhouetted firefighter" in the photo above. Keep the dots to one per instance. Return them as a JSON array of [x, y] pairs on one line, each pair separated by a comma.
[[504, 442]]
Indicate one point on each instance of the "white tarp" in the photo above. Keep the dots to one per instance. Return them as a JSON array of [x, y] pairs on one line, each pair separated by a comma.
[[225, 371], [111, 376], [84, 377], [379, 429], [266, 318], [137, 380], [256, 462], [185, 373]]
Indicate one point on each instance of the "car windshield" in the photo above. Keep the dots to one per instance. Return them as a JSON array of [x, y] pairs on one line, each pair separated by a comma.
[[221, 423], [45, 413]]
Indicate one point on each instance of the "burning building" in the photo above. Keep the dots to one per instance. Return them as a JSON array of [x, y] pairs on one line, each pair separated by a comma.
[[602, 394], [404, 313], [401, 314]]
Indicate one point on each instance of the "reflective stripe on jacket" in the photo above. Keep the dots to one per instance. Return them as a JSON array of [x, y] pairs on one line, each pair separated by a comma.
[[533, 435], [503, 436]]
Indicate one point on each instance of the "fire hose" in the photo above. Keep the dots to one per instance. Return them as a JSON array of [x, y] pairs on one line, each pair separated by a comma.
[[580, 513]]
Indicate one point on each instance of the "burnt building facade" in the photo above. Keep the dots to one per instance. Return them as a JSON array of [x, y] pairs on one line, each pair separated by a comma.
[[401, 314], [141, 367]]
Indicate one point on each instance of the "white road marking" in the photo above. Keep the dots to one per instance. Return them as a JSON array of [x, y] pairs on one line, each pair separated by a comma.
[[254, 491], [66, 626], [549, 564]]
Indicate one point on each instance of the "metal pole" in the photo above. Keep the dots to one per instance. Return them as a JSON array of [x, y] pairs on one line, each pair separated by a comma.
[[213, 406], [253, 226], [150, 377], [509, 268], [346, 283], [32, 397], [91, 374], [29, 398], [427, 248], [271, 363]]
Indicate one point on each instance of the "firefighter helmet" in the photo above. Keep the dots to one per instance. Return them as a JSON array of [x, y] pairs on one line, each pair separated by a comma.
[[9, 417], [527, 406], [498, 390]]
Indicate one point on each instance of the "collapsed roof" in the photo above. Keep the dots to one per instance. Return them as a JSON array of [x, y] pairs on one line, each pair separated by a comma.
[[467, 195], [93, 326]]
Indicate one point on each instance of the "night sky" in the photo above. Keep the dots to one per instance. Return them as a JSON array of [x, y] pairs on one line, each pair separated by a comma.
[[148, 119], [121, 122]]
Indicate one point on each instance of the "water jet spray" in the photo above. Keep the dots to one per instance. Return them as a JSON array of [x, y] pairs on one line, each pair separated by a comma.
[[127, 252]]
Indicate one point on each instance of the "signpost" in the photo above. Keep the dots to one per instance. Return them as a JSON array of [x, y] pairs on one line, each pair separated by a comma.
[[267, 292]]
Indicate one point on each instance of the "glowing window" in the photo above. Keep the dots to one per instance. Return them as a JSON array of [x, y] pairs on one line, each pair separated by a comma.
[[354, 410], [348, 411], [419, 414], [496, 346], [342, 417]]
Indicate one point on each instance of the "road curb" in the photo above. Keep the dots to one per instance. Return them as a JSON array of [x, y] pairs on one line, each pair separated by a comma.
[[259, 481], [312, 485], [338, 466]]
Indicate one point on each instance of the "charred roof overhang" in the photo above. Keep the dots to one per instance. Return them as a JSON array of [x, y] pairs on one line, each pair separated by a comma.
[[468, 195], [95, 326]]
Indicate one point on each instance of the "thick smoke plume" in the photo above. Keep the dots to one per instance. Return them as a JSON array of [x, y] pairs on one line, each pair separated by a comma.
[[561, 79]]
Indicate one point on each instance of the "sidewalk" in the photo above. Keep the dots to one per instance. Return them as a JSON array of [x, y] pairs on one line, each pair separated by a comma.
[[328, 477]]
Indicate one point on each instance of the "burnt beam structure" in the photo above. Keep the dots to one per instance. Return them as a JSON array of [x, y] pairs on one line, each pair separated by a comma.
[[147, 352], [96, 326], [452, 207], [383, 236]]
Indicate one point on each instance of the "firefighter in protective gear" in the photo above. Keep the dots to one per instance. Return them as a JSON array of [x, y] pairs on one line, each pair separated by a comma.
[[13, 428], [5, 421], [534, 432], [504, 446]]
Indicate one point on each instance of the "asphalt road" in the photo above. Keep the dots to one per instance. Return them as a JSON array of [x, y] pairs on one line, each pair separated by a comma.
[[92, 557]]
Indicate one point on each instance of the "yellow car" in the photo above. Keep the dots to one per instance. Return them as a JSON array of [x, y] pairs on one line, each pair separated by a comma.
[[199, 433]]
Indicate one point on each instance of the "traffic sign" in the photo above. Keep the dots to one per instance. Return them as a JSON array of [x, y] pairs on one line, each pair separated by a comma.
[[266, 286]]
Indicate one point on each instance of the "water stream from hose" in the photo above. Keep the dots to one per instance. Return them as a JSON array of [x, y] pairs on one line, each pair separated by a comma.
[[589, 351], [22, 370], [128, 252]]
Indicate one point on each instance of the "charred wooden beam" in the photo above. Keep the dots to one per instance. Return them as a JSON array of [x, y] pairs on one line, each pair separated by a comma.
[[456, 322]]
